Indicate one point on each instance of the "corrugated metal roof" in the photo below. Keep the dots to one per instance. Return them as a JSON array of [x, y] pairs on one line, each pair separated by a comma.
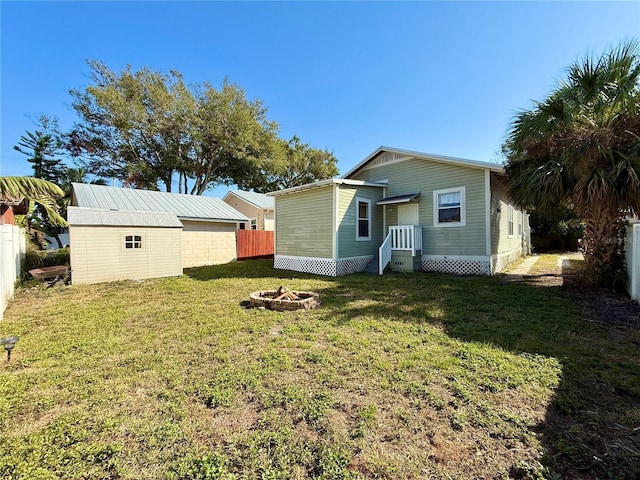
[[259, 200], [120, 218], [187, 207]]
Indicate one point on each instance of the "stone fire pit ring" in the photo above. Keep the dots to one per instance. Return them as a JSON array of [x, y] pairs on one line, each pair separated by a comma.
[[264, 298]]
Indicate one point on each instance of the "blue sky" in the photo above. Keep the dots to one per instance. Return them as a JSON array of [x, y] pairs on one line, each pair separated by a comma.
[[437, 77]]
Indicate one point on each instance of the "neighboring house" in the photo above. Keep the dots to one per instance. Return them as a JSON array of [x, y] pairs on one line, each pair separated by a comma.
[[10, 207], [257, 206], [410, 210], [122, 233]]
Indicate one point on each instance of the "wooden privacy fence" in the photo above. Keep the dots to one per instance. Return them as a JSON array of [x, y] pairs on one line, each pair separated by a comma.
[[254, 243]]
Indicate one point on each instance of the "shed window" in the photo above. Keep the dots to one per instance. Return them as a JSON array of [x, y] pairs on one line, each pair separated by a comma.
[[132, 241], [449, 207], [363, 223]]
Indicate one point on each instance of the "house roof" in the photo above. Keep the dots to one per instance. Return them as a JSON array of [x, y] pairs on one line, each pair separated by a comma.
[[121, 218], [323, 183], [494, 167], [258, 200], [186, 207]]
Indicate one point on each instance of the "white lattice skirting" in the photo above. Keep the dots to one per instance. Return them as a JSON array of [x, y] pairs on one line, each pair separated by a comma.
[[457, 265], [319, 266], [353, 264], [322, 266]]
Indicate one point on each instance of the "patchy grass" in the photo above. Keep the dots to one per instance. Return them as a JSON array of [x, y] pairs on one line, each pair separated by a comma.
[[547, 263], [400, 376]]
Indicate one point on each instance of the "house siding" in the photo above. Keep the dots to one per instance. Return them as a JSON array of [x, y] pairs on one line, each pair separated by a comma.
[[98, 254], [269, 221], [348, 246], [207, 243], [304, 223], [419, 175], [505, 248]]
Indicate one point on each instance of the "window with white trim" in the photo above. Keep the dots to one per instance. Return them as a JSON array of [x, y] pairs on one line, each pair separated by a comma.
[[449, 207], [510, 221], [254, 224], [520, 221], [132, 242], [363, 219]]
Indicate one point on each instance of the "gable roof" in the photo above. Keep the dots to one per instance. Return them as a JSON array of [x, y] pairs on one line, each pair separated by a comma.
[[494, 167], [186, 207], [258, 200]]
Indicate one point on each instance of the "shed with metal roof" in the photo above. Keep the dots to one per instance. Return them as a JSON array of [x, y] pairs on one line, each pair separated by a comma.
[[131, 224], [108, 245]]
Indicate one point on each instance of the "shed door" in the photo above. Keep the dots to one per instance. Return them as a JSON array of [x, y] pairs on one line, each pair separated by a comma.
[[408, 214]]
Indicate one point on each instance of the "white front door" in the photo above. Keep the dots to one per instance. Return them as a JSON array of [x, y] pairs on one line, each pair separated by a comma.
[[408, 214]]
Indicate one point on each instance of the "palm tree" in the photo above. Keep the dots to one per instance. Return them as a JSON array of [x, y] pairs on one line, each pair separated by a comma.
[[42, 192], [581, 146]]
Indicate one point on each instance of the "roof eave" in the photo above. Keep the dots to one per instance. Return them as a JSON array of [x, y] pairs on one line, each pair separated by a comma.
[[253, 204], [214, 220]]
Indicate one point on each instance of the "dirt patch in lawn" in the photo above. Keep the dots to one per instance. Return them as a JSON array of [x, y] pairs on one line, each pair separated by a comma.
[[600, 304]]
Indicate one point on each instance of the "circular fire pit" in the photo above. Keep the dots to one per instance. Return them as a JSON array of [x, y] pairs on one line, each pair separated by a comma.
[[271, 299]]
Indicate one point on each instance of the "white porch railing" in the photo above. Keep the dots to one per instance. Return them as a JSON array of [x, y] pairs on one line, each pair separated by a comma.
[[384, 254], [406, 237]]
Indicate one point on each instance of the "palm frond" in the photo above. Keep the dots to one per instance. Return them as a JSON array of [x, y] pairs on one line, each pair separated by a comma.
[[44, 193]]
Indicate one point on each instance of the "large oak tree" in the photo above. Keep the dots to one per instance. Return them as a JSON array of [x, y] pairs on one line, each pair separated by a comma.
[[149, 129]]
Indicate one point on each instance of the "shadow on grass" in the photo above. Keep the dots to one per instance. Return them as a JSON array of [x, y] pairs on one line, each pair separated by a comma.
[[592, 427], [262, 268]]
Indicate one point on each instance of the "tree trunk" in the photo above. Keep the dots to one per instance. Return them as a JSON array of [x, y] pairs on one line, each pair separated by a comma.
[[603, 245]]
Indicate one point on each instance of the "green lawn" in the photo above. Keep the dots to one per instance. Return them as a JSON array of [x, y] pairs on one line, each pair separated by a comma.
[[400, 376]]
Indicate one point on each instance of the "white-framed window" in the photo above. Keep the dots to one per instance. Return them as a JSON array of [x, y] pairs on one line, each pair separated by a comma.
[[510, 222], [363, 219], [520, 221], [254, 224], [449, 207], [132, 242]]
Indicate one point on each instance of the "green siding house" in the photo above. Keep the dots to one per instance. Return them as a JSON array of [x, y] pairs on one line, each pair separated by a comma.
[[408, 211]]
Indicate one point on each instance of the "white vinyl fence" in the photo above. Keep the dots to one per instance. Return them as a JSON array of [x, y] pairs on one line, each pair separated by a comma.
[[633, 260], [12, 249]]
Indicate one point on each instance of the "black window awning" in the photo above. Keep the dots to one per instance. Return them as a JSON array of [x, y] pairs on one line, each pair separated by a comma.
[[398, 199]]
